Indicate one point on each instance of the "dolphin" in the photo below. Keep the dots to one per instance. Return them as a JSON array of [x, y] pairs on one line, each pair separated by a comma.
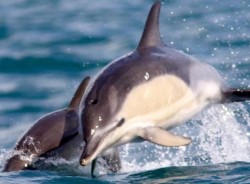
[[48, 133], [146, 93], [56, 134]]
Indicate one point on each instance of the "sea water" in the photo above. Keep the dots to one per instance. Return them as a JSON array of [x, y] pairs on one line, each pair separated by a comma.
[[47, 47]]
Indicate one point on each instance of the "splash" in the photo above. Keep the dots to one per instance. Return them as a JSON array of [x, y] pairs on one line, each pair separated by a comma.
[[220, 134]]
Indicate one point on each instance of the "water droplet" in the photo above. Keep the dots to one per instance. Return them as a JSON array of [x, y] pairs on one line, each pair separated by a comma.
[[100, 118]]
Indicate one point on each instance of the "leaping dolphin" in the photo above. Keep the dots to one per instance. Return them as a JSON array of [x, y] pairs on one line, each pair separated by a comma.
[[147, 92]]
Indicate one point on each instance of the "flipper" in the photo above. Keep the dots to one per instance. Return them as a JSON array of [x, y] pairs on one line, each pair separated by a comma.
[[48, 133], [162, 137], [237, 95]]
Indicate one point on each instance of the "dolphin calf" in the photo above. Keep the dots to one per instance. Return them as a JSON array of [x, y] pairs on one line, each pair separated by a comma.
[[48, 133], [56, 134], [146, 93]]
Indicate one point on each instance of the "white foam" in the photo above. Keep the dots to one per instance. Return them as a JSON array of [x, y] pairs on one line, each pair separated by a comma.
[[217, 138]]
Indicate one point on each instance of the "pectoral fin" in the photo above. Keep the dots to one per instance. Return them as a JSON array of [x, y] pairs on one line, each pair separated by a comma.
[[162, 137]]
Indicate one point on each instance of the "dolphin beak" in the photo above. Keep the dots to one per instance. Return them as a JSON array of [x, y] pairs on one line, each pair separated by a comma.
[[85, 161], [95, 147], [90, 152]]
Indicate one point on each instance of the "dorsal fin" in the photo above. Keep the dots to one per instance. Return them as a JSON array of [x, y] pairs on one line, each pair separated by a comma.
[[74, 104], [151, 34]]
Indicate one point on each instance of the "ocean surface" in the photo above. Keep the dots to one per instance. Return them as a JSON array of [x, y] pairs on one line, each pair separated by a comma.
[[47, 47]]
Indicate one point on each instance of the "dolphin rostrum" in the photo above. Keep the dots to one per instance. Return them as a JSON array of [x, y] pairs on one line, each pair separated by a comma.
[[147, 92]]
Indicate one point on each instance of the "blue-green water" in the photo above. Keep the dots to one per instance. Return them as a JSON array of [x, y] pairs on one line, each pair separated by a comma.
[[47, 47]]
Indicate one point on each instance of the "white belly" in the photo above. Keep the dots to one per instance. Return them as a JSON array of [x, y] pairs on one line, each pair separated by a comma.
[[165, 102]]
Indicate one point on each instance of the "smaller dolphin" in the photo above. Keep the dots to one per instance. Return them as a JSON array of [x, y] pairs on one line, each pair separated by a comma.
[[48, 133], [146, 93], [55, 134]]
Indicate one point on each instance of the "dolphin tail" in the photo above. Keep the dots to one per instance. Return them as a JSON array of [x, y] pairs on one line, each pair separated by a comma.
[[237, 95]]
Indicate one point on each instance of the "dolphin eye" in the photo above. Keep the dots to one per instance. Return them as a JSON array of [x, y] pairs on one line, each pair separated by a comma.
[[93, 102]]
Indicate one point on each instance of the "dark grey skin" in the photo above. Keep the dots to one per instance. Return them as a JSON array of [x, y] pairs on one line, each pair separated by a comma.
[[107, 93], [54, 135], [48, 133]]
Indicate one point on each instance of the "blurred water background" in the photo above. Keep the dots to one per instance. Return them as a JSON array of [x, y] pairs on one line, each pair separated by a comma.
[[47, 47]]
